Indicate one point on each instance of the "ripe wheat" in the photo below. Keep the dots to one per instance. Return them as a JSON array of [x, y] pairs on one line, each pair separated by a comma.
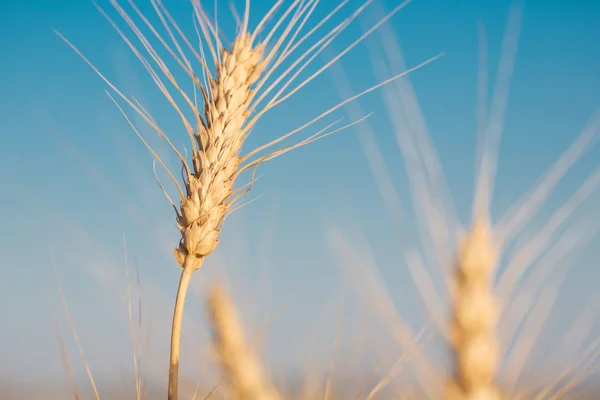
[[234, 95], [237, 359], [475, 314]]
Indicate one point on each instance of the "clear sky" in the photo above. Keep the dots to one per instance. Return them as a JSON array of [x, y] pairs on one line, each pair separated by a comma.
[[75, 180]]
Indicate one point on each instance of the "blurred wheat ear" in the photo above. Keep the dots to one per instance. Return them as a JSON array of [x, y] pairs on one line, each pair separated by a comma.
[[237, 86], [475, 314], [239, 363]]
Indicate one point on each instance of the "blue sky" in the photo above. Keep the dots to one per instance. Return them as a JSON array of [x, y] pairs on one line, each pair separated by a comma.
[[75, 179]]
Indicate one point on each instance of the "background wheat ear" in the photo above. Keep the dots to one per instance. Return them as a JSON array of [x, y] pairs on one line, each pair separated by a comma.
[[238, 361], [475, 314]]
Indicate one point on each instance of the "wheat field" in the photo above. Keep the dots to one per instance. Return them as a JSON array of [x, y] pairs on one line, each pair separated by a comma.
[[485, 279]]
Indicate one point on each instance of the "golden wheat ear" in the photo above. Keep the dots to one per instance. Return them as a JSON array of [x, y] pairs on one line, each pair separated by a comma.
[[238, 84], [239, 363], [475, 313]]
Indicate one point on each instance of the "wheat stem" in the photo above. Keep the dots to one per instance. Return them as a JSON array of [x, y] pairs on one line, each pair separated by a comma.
[[65, 306], [189, 266]]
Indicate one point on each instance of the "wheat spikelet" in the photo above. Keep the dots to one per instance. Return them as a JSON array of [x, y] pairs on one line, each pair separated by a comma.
[[475, 314], [239, 363]]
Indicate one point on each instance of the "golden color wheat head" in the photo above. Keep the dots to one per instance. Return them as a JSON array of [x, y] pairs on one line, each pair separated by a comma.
[[216, 160]]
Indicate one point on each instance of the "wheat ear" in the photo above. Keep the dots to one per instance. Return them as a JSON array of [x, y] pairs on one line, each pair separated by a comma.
[[475, 313], [215, 164], [236, 93], [239, 363]]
